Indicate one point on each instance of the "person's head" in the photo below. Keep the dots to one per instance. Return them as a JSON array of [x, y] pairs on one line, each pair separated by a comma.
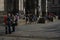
[[8, 14], [16, 13]]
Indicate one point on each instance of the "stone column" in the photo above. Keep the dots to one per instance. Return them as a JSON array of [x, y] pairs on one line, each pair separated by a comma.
[[21, 5], [1, 5], [40, 10], [43, 6]]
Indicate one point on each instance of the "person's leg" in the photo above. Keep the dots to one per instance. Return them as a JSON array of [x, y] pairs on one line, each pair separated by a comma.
[[16, 23], [6, 30], [9, 29], [13, 29], [29, 21]]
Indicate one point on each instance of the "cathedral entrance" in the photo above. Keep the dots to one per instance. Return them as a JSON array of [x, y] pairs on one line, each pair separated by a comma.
[[31, 7], [27, 6]]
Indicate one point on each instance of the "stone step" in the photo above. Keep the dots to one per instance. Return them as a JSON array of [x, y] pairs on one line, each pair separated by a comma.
[[21, 38], [21, 22], [16, 38]]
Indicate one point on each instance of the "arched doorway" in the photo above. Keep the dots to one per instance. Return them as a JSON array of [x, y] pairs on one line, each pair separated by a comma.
[[11, 6], [30, 7]]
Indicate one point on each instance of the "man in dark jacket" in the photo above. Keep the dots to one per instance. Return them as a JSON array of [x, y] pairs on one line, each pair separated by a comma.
[[9, 22]]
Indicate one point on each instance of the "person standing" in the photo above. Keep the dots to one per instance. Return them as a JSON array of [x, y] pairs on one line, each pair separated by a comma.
[[5, 22], [14, 22], [16, 19], [9, 22], [27, 18], [30, 18]]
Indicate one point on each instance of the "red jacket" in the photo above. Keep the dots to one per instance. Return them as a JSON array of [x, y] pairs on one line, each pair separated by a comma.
[[5, 20]]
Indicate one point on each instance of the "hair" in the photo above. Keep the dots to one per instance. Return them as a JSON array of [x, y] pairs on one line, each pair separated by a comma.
[[8, 14]]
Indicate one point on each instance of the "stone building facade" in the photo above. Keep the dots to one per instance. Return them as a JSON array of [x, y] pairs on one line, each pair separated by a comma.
[[1, 7], [38, 6], [10, 5], [20, 5], [54, 6]]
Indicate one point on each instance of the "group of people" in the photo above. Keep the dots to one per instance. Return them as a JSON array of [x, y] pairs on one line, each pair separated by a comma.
[[31, 18], [50, 16], [10, 21]]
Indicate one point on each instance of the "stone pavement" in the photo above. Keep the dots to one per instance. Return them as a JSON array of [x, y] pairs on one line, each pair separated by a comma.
[[48, 31], [21, 38], [37, 30]]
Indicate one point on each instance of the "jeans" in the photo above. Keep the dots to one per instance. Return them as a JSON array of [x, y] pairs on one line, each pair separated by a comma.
[[13, 28], [9, 28]]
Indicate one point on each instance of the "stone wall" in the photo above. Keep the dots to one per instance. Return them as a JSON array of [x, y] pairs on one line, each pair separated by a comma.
[[2, 13], [1, 19], [1, 5]]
